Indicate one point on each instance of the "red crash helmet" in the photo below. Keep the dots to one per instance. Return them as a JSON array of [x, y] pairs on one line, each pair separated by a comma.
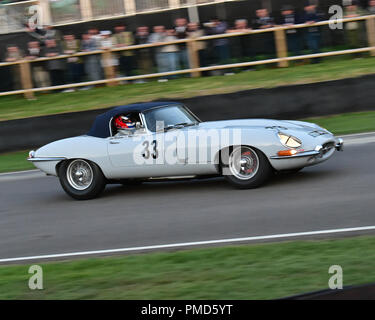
[[124, 123]]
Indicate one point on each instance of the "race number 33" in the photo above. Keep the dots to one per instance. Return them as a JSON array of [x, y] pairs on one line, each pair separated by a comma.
[[154, 153]]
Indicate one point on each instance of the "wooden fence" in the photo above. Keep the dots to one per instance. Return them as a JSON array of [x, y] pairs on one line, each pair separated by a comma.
[[195, 69]]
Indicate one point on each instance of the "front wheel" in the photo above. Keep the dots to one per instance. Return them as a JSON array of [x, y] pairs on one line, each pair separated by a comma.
[[81, 179], [246, 167]]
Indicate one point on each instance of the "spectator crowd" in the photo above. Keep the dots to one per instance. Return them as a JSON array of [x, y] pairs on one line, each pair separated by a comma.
[[50, 42]]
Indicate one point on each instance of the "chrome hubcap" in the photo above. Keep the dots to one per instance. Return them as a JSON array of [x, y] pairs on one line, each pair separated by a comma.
[[244, 163], [79, 174]]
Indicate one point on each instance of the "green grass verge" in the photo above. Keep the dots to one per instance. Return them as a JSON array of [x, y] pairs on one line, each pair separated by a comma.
[[262, 271], [15, 161], [347, 123], [15, 107], [338, 124]]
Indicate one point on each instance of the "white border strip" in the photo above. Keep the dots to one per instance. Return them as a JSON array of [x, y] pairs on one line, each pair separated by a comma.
[[188, 244]]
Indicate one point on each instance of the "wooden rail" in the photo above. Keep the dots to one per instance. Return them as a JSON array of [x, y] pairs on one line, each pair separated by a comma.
[[195, 70]]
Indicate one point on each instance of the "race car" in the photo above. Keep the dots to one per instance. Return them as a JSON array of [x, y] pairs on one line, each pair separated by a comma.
[[163, 140]]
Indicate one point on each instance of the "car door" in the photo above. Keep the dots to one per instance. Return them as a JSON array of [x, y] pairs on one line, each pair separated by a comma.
[[145, 154]]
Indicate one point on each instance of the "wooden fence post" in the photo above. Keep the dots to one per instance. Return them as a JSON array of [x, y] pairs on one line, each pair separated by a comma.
[[109, 69], [370, 26], [281, 47], [26, 79], [194, 58]]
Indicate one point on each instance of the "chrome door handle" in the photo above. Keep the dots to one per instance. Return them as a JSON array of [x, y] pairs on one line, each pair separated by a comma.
[[114, 142]]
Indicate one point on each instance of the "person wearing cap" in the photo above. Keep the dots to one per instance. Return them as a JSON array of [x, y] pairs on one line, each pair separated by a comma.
[[290, 18]]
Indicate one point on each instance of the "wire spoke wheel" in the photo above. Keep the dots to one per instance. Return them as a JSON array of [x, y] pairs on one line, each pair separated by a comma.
[[79, 174], [243, 163]]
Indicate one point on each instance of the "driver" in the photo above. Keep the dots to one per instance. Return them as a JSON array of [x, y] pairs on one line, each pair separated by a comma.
[[125, 125]]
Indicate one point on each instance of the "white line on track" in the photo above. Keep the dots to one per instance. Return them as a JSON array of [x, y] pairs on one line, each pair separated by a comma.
[[18, 172], [188, 244]]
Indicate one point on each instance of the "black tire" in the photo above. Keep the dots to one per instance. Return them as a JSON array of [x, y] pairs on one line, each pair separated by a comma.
[[93, 189], [258, 177]]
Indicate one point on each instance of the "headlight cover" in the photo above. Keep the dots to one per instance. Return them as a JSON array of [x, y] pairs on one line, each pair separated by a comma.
[[289, 141]]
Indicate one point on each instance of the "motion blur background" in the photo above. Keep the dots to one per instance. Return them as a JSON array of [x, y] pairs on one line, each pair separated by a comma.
[[72, 26]]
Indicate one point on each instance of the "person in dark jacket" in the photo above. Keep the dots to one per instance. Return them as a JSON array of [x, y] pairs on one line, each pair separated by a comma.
[[312, 33], [221, 45], [144, 57], [55, 67], [181, 28], [290, 18], [265, 41]]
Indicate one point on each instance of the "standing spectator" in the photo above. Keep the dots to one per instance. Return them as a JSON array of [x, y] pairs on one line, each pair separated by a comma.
[[263, 20], [14, 54], [158, 36], [71, 45], [194, 31], [244, 43], [290, 18], [40, 75], [352, 29], [312, 33], [221, 45], [144, 55], [170, 53], [371, 7], [92, 61], [50, 33], [107, 43], [55, 67], [266, 41], [181, 27], [123, 38]]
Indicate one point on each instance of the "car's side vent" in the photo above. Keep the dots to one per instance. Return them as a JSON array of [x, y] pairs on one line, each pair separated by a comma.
[[317, 133], [277, 127]]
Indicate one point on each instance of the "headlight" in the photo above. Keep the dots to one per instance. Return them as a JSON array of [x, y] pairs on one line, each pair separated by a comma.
[[289, 141]]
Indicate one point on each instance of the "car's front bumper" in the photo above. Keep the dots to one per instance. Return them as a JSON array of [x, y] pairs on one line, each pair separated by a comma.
[[321, 152]]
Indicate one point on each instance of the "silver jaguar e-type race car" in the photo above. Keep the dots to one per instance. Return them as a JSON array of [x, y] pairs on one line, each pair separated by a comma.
[[165, 140]]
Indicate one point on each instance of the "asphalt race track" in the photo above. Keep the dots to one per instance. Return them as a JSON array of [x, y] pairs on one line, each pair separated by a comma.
[[37, 218]]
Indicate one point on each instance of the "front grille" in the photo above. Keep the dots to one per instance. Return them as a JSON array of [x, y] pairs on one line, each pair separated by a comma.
[[328, 146]]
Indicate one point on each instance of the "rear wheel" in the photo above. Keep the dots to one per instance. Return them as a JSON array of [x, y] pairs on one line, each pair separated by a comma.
[[81, 179], [246, 167]]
